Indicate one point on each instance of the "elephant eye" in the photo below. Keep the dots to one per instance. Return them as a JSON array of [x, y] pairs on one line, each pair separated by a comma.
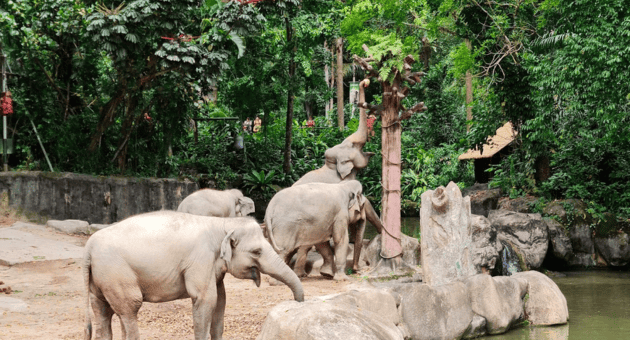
[[257, 252]]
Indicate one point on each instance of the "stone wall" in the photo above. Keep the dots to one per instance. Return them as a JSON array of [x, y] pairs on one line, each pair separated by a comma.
[[43, 195]]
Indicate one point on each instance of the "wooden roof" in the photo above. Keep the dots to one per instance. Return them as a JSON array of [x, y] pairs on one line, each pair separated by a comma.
[[504, 136]]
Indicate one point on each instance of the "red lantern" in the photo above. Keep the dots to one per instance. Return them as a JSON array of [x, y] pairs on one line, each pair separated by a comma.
[[6, 104]]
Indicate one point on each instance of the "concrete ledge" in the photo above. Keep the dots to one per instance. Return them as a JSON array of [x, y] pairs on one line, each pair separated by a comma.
[[98, 200]]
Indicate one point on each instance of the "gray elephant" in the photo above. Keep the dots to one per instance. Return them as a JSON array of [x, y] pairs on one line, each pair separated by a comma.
[[311, 214], [210, 202], [342, 164], [166, 255]]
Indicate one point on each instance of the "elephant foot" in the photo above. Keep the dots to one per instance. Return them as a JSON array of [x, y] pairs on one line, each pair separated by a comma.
[[340, 277], [301, 273], [326, 271]]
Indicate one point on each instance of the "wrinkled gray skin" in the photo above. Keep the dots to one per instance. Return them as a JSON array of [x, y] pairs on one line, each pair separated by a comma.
[[210, 202], [312, 214], [166, 255], [342, 164]]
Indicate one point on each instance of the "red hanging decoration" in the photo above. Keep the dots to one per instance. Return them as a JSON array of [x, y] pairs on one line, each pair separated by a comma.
[[6, 103]]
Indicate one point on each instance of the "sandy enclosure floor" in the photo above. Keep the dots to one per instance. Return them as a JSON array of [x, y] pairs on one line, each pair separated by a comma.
[[55, 294]]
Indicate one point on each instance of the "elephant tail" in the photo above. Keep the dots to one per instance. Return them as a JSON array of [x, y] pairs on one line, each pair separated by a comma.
[[268, 232], [87, 269]]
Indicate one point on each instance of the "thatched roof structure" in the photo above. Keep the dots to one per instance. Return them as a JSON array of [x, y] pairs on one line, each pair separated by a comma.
[[504, 136]]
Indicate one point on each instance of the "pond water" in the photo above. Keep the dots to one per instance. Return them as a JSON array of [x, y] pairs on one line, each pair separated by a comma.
[[598, 300], [599, 308]]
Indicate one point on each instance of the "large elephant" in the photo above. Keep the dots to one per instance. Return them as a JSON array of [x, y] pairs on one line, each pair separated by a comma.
[[342, 163], [166, 255], [210, 202], [312, 214]]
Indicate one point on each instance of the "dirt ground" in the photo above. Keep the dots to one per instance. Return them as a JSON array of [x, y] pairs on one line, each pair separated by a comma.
[[55, 294]]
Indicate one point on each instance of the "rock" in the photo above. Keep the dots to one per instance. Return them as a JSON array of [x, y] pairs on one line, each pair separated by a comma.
[[614, 249], [583, 260], [445, 226], [477, 328], [96, 227], [69, 226], [12, 304], [482, 199], [343, 316], [519, 204], [442, 312], [546, 304], [570, 211], [485, 246], [560, 242], [370, 254], [498, 299], [581, 237], [527, 232]]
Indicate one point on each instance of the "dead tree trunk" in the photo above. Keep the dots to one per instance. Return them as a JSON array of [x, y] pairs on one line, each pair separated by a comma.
[[394, 91]]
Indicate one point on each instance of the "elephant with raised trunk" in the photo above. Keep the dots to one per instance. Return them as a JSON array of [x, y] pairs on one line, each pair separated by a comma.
[[342, 164], [166, 255], [311, 214], [210, 202]]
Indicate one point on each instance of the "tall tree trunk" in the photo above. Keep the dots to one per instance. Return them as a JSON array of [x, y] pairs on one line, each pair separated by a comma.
[[340, 83], [391, 146], [286, 166], [469, 94], [327, 77]]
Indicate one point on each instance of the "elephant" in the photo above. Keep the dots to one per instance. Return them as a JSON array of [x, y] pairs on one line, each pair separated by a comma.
[[311, 214], [210, 202], [342, 163], [166, 255]]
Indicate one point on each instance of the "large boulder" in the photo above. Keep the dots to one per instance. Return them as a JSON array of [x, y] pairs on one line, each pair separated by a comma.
[[73, 227], [371, 254], [560, 242], [546, 304], [581, 236], [482, 199], [615, 248], [445, 226], [485, 246], [519, 204], [527, 232], [361, 314], [442, 312], [498, 299]]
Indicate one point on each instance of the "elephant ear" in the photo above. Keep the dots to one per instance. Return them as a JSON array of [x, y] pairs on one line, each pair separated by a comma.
[[226, 246], [344, 165], [352, 200]]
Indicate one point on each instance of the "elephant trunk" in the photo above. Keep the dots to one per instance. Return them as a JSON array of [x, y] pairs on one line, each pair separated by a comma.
[[272, 265], [360, 136]]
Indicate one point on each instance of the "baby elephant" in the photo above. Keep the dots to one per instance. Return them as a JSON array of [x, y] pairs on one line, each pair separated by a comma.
[[311, 214], [166, 255], [210, 202]]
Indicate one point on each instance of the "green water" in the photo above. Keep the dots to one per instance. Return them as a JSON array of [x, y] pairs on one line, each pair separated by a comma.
[[599, 308]]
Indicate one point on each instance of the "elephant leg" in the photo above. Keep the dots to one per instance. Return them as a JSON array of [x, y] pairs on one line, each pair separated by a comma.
[[103, 313], [127, 308], [202, 290], [216, 328], [358, 244], [328, 267], [373, 217], [300, 261], [341, 241]]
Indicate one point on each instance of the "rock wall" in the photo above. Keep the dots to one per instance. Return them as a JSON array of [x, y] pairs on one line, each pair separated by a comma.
[[44, 195]]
